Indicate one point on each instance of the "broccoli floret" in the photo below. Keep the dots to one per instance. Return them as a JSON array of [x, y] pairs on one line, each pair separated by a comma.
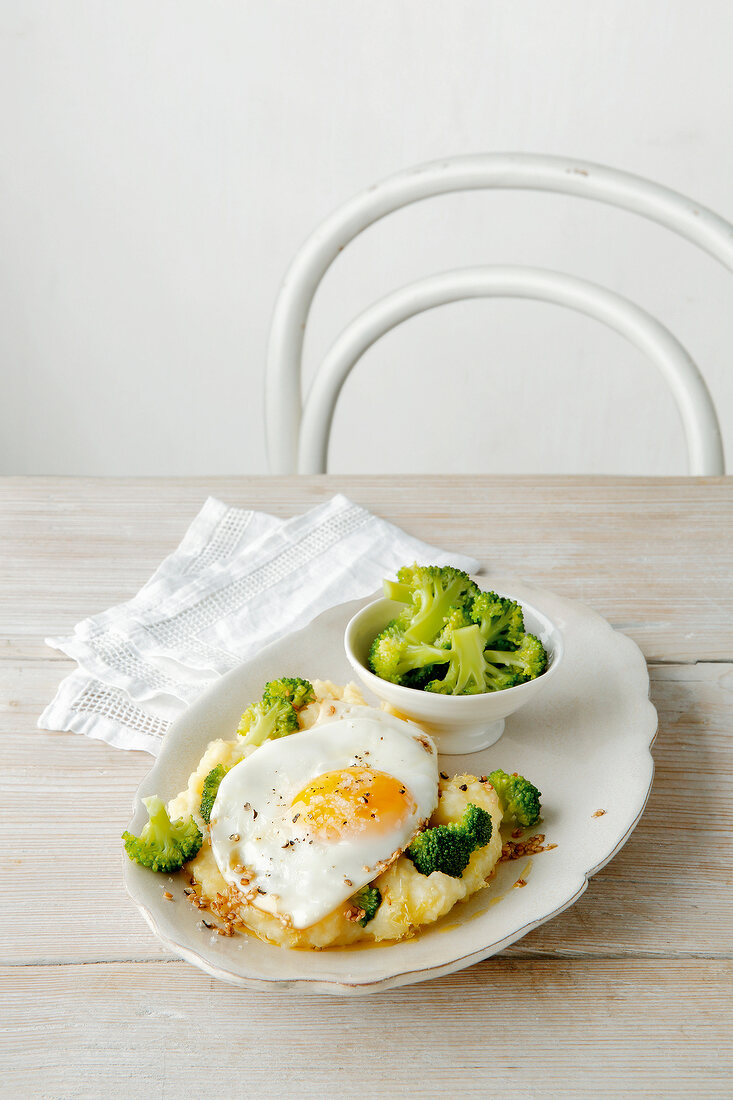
[[465, 674], [468, 671], [448, 848], [474, 670], [380, 656], [368, 899], [519, 799], [457, 618], [433, 590], [452, 638], [276, 714], [163, 845], [394, 657], [528, 662], [500, 619], [210, 791], [293, 689], [270, 718]]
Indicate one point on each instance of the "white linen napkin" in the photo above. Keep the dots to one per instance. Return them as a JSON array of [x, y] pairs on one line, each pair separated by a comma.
[[239, 580]]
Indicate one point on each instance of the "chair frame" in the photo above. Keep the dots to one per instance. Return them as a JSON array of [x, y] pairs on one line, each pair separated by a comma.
[[291, 449]]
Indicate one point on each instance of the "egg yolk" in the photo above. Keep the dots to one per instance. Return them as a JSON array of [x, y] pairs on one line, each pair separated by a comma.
[[343, 803]]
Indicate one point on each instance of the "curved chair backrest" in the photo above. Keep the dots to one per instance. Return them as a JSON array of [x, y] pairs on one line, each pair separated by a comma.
[[284, 406]]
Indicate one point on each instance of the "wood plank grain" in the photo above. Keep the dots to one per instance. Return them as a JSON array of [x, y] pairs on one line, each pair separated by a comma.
[[628, 992], [651, 555], [667, 893], [505, 1028]]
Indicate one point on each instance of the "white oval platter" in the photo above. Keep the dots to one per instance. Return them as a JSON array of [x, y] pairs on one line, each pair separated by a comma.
[[586, 743]]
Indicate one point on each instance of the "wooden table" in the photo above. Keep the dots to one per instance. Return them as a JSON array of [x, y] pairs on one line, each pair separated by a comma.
[[627, 993]]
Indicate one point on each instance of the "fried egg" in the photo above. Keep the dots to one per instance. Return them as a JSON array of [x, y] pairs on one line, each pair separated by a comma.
[[308, 819]]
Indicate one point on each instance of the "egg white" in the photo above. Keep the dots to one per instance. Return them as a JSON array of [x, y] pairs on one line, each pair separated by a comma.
[[273, 859]]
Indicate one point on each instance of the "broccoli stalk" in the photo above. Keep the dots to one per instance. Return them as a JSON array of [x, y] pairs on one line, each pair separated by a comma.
[[163, 845], [457, 619], [519, 799], [448, 848], [393, 590], [368, 900]]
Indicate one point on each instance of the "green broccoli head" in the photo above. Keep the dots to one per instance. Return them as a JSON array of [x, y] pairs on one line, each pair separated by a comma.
[[519, 799], [163, 845], [527, 662], [266, 720], [473, 670], [368, 899], [293, 689], [500, 620], [448, 848], [468, 672], [433, 590], [276, 714], [385, 650], [210, 791], [392, 656]]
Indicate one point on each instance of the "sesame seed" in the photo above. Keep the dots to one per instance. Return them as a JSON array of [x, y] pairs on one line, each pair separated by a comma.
[[515, 849]]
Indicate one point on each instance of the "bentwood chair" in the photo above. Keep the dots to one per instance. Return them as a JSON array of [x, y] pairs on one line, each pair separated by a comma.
[[298, 432]]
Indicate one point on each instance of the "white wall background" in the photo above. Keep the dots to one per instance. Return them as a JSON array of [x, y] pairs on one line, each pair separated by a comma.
[[162, 159]]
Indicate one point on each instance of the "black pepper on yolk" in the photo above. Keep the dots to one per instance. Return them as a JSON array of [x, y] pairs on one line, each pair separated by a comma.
[[344, 803]]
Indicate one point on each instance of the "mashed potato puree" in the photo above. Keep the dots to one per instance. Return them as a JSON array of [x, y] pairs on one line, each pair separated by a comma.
[[409, 899]]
